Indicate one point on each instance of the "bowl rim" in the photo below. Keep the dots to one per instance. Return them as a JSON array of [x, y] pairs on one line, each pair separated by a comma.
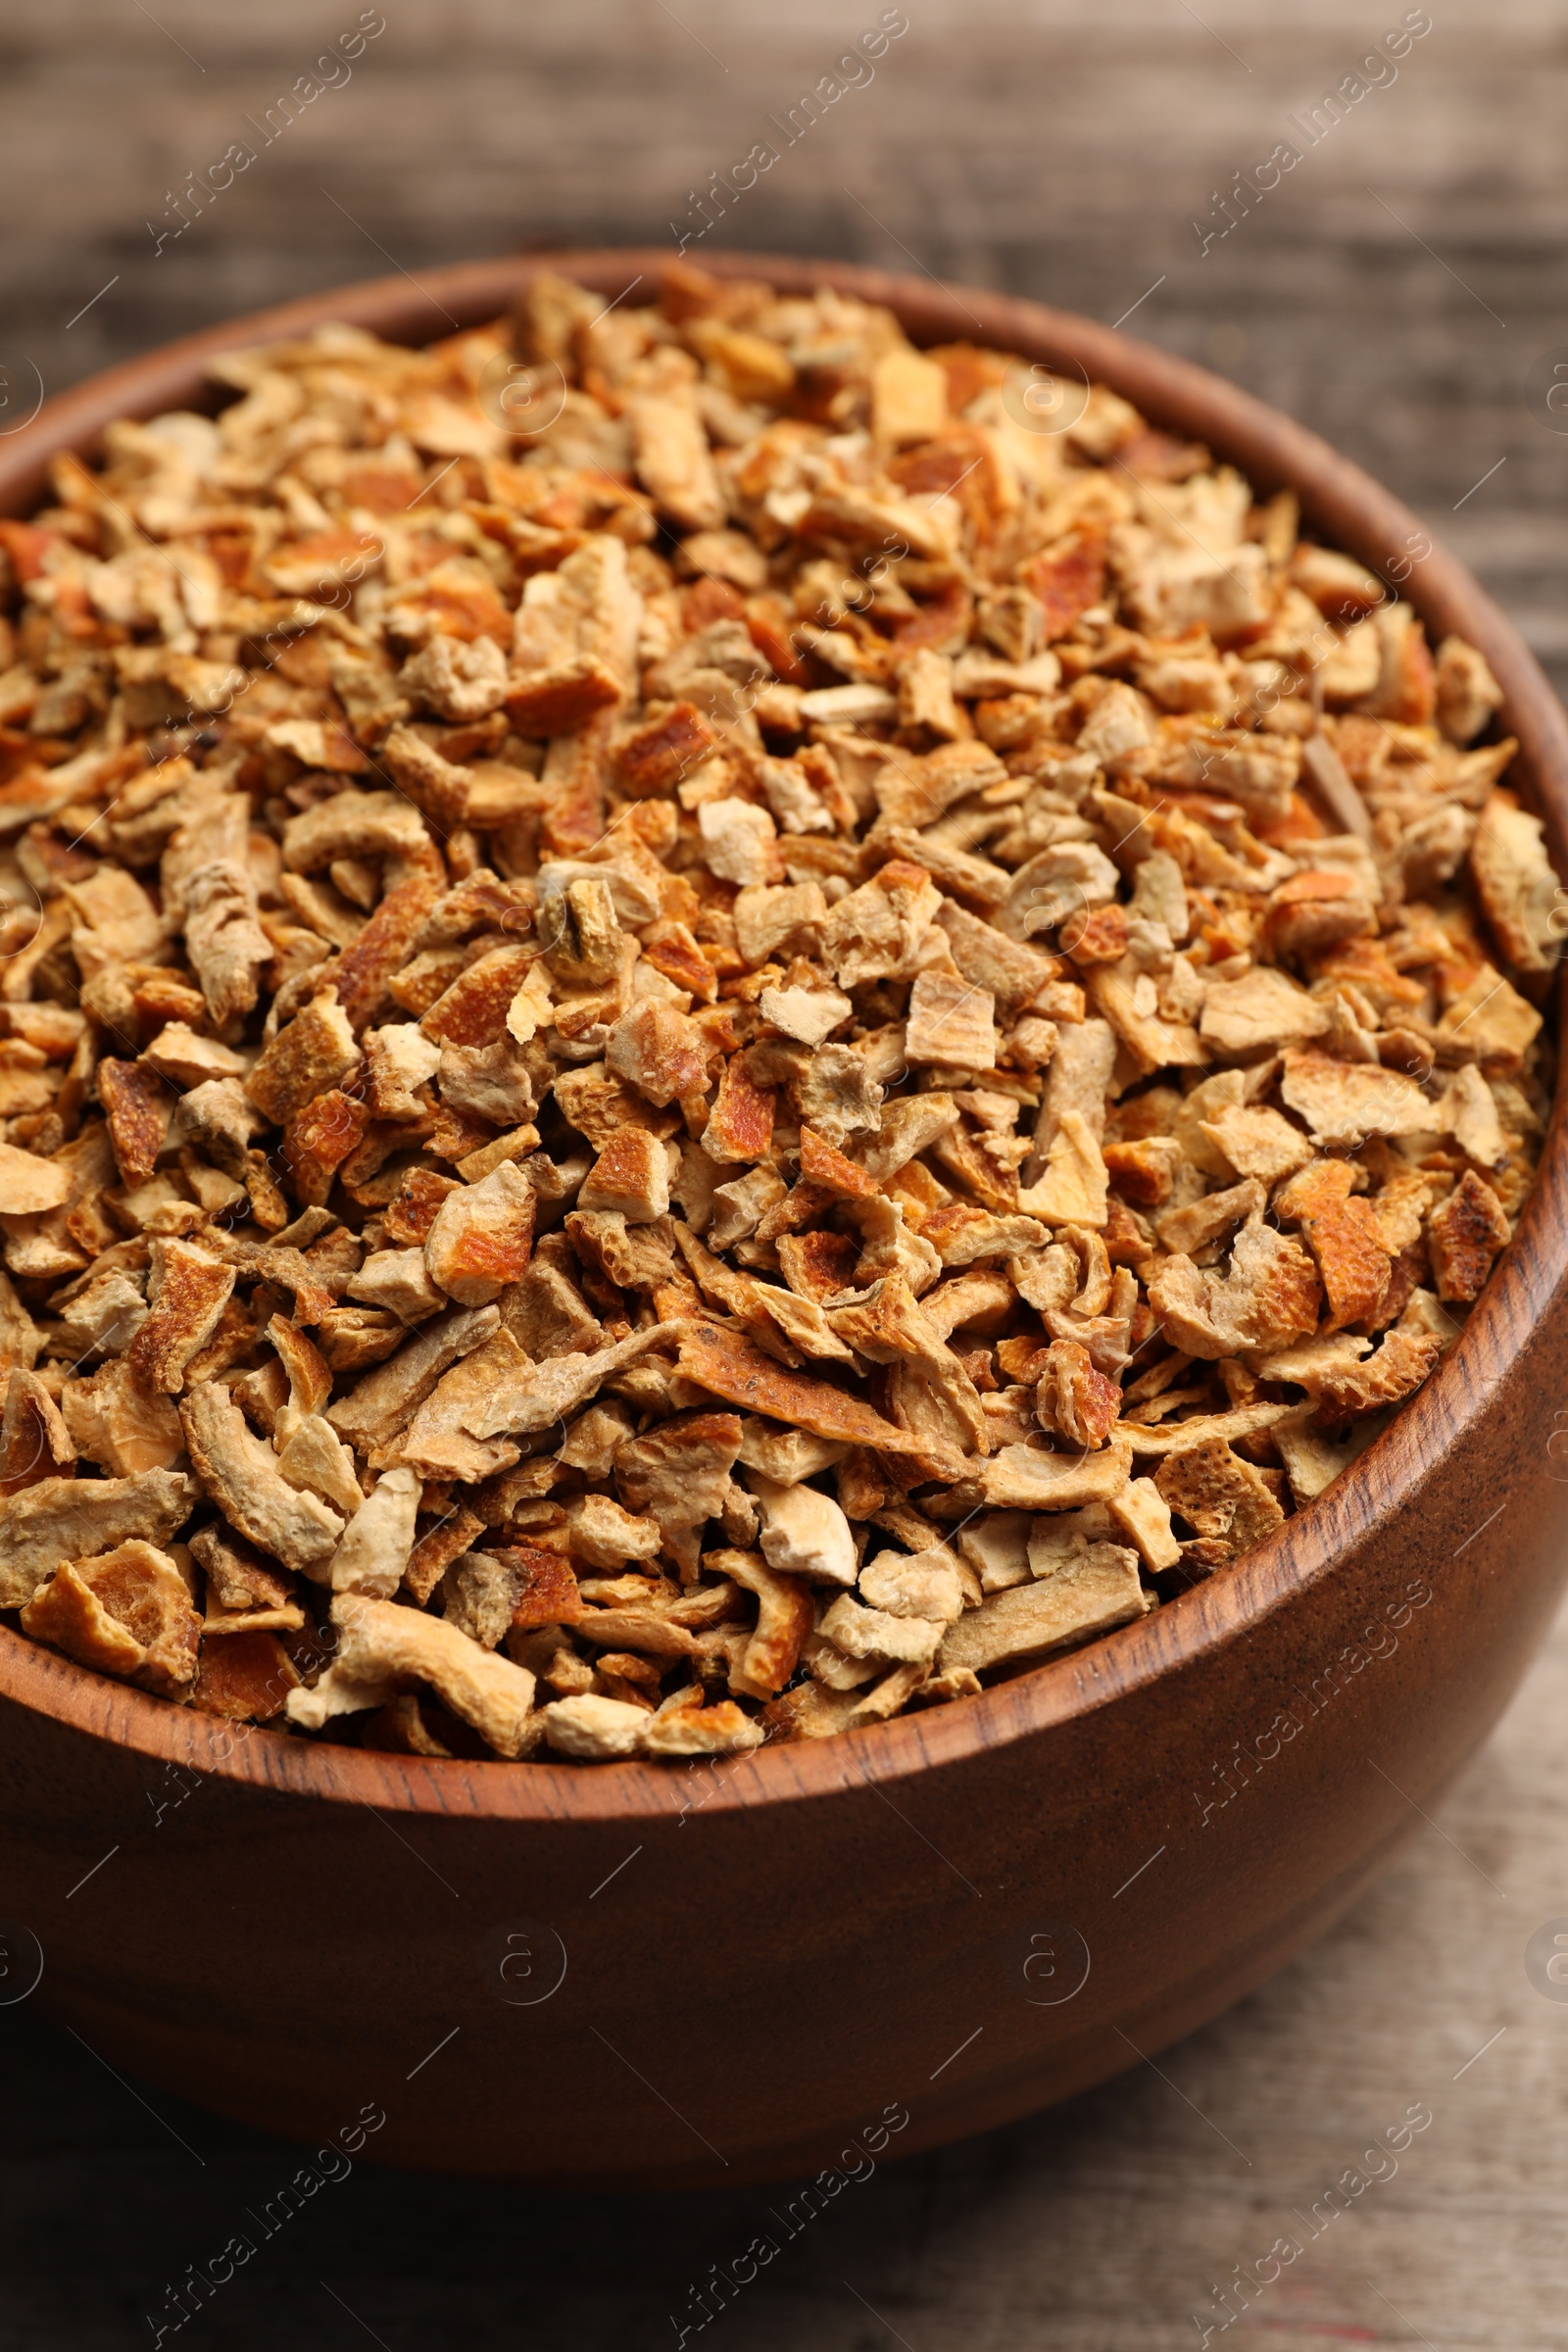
[[1359, 516]]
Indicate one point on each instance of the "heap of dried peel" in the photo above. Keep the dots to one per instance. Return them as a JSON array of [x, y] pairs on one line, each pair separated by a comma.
[[701, 1038]]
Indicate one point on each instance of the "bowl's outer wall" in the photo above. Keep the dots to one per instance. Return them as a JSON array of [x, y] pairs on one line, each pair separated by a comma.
[[764, 1956]]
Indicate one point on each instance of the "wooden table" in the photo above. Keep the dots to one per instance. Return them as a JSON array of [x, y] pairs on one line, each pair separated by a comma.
[[1394, 291]]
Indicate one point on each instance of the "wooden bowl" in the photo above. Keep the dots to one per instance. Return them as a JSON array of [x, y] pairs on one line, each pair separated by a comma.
[[633, 1976]]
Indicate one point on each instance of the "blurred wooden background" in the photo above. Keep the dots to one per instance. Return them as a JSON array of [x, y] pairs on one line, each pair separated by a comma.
[[1395, 292]]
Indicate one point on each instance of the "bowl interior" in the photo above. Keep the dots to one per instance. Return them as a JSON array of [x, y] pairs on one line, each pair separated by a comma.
[[1346, 507]]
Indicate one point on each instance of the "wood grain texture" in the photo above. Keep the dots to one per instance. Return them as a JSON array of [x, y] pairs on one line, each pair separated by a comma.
[[1051, 151]]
